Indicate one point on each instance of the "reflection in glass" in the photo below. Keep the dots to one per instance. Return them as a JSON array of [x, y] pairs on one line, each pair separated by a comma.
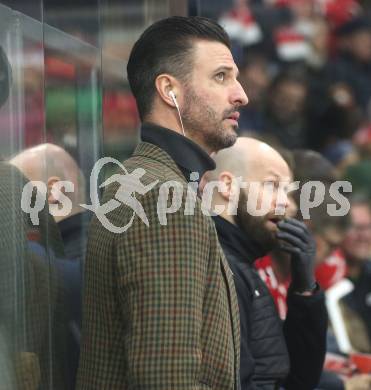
[[64, 99]]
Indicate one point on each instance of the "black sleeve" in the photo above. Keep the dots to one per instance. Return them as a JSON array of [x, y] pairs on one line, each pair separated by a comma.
[[305, 330]]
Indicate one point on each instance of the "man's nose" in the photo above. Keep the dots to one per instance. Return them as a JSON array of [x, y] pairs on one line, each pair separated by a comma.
[[282, 201], [239, 96]]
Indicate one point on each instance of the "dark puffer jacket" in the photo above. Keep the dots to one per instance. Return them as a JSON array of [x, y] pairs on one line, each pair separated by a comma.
[[274, 354]]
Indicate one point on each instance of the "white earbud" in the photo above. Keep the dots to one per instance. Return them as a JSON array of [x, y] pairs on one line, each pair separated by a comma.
[[173, 98]]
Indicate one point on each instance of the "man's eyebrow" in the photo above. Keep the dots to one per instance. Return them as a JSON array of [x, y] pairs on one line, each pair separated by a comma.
[[272, 173], [226, 68]]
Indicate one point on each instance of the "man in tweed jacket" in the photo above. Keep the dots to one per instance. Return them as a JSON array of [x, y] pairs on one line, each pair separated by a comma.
[[160, 308]]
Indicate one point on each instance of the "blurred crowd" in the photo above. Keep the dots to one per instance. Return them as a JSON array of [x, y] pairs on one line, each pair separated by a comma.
[[305, 65], [306, 68]]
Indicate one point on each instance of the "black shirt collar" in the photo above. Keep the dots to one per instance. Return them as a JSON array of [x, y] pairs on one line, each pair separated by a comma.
[[236, 241], [187, 154]]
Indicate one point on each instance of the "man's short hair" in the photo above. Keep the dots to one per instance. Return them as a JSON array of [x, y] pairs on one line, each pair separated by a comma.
[[360, 199], [293, 75], [166, 47], [320, 219], [310, 165]]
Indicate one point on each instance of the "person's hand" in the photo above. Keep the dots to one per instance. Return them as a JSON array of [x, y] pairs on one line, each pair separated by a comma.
[[296, 239], [358, 382]]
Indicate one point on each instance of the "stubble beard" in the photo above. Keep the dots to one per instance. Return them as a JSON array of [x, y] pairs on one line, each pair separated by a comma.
[[202, 123]]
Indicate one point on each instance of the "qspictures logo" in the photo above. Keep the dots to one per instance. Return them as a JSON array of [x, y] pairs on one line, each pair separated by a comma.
[[171, 194]]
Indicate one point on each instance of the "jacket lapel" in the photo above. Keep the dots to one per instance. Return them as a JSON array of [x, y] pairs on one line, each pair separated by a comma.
[[234, 312]]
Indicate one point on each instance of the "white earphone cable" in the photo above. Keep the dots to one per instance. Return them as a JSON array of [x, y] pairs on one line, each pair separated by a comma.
[[173, 97], [180, 118]]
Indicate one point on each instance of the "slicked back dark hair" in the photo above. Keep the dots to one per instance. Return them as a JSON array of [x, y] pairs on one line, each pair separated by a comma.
[[166, 47]]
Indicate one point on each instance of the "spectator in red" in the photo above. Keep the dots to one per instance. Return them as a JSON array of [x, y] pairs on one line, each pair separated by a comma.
[[328, 231]]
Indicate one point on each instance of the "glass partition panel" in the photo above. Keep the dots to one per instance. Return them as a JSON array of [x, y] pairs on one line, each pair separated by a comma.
[[28, 291], [64, 103], [122, 23]]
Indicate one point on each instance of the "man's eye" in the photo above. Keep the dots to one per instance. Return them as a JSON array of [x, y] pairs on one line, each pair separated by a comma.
[[271, 185], [220, 76]]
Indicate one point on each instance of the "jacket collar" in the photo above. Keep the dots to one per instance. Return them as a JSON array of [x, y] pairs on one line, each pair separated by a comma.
[[188, 156], [75, 226], [153, 152]]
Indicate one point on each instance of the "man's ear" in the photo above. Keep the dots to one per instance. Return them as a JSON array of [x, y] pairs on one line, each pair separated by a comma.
[[227, 178], [164, 84], [51, 181]]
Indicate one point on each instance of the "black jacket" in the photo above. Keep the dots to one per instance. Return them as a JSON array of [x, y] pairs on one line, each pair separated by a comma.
[[74, 232], [273, 353], [349, 70]]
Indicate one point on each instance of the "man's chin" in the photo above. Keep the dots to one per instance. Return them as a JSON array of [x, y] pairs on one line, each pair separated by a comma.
[[232, 128], [228, 140], [271, 226], [231, 135], [266, 238], [268, 235], [256, 229], [231, 140]]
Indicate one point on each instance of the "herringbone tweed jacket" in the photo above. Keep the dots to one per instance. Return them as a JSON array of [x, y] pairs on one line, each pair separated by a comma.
[[160, 310]]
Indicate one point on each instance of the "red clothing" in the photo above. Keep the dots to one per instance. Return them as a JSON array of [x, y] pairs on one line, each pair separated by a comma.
[[277, 288], [332, 270]]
